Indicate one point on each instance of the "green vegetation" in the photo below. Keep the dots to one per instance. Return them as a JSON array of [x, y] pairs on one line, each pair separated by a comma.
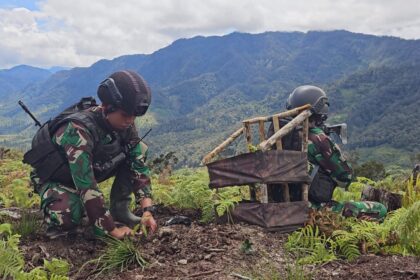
[[188, 189], [118, 254], [326, 238], [330, 236], [28, 225], [12, 262]]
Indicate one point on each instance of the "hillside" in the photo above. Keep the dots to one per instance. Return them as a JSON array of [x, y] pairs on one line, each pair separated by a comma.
[[202, 88]]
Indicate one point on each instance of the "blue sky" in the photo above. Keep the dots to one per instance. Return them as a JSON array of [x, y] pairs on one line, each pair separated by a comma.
[[80, 32], [29, 4]]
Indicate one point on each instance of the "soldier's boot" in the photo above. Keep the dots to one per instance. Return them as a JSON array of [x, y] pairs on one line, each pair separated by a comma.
[[121, 197], [120, 210]]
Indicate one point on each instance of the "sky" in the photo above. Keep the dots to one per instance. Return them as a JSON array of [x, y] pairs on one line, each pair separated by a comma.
[[71, 33]]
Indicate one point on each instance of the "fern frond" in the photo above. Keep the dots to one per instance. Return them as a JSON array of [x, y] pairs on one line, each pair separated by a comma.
[[11, 259]]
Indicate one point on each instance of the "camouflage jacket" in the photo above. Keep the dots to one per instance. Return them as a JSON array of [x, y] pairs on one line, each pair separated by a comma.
[[324, 152], [78, 145]]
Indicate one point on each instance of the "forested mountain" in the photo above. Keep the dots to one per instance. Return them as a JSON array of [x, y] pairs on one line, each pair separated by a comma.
[[17, 78], [203, 87]]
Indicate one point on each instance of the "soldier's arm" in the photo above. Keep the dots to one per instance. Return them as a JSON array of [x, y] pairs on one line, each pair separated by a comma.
[[329, 157], [77, 144]]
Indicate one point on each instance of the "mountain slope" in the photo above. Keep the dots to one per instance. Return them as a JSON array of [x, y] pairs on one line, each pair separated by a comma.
[[203, 87]]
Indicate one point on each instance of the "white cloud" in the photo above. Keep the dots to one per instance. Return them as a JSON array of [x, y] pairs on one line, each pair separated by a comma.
[[79, 32]]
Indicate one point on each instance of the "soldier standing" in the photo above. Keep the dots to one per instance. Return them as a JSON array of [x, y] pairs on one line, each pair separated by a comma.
[[90, 144]]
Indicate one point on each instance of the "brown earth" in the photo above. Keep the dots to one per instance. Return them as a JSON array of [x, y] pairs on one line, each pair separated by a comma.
[[211, 251]]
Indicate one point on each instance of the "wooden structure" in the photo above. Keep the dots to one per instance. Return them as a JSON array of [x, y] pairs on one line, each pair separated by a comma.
[[300, 117]]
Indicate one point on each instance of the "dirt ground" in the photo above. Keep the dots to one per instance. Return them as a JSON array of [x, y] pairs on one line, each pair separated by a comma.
[[210, 251]]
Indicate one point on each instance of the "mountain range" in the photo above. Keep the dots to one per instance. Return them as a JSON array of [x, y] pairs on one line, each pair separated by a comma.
[[204, 86]]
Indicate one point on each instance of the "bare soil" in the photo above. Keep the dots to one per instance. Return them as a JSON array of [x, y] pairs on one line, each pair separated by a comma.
[[210, 251]]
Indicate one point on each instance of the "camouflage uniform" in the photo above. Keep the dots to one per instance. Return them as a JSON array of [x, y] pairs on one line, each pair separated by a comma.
[[64, 206], [361, 209], [324, 154]]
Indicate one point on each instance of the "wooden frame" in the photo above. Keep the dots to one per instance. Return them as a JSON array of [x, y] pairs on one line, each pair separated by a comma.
[[301, 117]]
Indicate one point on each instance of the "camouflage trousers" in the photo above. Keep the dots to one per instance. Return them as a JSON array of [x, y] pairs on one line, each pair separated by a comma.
[[62, 206]]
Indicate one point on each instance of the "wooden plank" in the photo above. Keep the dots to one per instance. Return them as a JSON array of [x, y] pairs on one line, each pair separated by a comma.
[[248, 135], [248, 138], [263, 187], [276, 125], [223, 145], [261, 131], [264, 146], [282, 115], [305, 134]]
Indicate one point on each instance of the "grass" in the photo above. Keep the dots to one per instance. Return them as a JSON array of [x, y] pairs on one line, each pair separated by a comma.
[[117, 255]]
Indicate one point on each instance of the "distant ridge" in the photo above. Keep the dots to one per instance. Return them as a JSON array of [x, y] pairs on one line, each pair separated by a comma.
[[204, 86]]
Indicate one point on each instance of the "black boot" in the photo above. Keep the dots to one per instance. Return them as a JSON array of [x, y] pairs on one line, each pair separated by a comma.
[[120, 210], [121, 197]]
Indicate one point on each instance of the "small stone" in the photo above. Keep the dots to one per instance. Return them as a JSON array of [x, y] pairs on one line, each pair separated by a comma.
[[35, 258], [208, 257], [175, 242], [165, 231], [183, 261]]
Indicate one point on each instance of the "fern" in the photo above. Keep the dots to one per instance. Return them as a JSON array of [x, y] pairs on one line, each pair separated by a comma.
[[348, 244], [412, 192], [311, 246], [57, 267], [408, 229], [189, 190], [11, 259], [12, 262]]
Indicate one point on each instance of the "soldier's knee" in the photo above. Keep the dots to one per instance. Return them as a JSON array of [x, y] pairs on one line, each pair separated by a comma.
[[61, 208]]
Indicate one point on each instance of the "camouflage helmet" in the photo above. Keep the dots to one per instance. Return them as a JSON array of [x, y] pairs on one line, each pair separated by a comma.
[[308, 94], [125, 90]]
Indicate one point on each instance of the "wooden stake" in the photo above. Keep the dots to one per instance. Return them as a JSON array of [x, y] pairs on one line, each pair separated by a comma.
[[248, 138], [276, 125], [282, 115], [223, 145], [305, 133], [248, 135], [261, 131], [285, 130]]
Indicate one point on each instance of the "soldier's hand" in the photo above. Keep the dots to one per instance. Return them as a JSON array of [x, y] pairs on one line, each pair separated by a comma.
[[121, 232], [148, 220]]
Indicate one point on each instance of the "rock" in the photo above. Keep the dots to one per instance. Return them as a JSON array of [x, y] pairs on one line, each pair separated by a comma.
[[175, 243], [35, 259], [183, 261], [165, 231], [208, 257]]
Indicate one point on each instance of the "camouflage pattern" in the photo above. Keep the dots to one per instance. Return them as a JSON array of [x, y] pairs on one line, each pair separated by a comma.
[[364, 209], [324, 152], [63, 206], [358, 209]]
